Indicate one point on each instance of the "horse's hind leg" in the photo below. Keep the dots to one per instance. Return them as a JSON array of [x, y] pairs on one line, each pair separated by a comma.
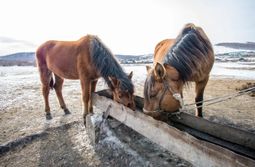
[[46, 90], [58, 89], [200, 87], [46, 78]]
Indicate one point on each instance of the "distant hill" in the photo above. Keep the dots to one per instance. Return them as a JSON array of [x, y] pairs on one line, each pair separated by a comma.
[[28, 59], [24, 56], [236, 45], [19, 59], [135, 59]]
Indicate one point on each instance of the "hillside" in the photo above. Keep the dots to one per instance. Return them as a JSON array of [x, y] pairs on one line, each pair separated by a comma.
[[19, 59], [135, 59], [28, 59], [236, 45]]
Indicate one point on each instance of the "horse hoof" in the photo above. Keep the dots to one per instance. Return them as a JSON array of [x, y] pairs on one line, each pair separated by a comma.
[[67, 111], [48, 116]]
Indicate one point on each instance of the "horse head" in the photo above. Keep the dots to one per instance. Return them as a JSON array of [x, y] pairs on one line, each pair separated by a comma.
[[161, 85], [121, 94]]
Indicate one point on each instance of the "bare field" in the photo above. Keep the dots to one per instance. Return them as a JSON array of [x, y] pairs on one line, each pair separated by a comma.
[[63, 141]]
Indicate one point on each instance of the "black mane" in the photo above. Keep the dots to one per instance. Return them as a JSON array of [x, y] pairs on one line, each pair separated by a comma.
[[108, 66], [189, 52]]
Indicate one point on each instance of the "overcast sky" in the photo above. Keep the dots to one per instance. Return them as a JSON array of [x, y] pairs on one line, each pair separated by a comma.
[[125, 26]]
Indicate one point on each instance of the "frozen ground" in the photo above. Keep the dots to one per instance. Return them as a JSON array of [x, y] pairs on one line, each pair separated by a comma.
[[63, 141]]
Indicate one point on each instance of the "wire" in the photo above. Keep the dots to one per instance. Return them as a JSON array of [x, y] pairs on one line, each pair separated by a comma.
[[220, 99]]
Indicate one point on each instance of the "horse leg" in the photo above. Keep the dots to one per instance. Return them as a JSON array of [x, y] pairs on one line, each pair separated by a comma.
[[93, 88], [200, 87], [46, 91], [46, 77], [93, 85], [58, 89], [86, 96]]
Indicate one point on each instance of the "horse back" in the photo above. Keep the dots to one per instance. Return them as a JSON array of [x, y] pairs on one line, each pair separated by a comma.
[[62, 57], [161, 50]]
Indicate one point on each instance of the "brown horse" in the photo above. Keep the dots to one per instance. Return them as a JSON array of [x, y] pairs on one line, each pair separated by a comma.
[[189, 57], [85, 59]]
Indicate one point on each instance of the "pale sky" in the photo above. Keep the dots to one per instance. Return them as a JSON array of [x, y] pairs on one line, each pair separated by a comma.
[[125, 26]]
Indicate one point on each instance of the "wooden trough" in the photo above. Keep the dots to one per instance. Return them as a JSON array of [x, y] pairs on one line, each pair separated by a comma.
[[199, 141]]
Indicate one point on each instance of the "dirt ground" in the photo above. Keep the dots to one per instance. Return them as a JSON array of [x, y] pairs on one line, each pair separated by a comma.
[[237, 112], [63, 141]]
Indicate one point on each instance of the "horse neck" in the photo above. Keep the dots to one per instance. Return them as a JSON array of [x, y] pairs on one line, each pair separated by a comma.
[[107, 65]]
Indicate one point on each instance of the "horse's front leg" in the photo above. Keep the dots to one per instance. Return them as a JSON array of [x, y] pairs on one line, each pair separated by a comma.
[[58, 89], [200, 87], [93, 88], [86, 97]]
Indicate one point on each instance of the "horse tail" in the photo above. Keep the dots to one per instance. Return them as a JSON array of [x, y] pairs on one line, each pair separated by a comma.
[[52, 81], [46, 75]]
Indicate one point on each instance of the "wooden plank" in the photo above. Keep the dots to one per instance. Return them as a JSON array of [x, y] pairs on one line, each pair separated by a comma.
[[199, 153], [224, 132], [237, 140], [248, 152]]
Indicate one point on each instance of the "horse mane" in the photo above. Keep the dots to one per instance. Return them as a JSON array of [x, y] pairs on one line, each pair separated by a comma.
[[108, 66], [190, 51]]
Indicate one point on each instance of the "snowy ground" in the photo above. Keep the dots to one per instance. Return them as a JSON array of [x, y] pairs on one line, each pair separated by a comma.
[[63, 141]]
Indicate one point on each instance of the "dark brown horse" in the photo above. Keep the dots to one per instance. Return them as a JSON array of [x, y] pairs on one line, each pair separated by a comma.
[[189, 57], [85, 59]]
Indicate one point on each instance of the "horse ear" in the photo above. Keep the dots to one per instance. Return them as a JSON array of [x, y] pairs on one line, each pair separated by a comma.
[[114, 81], [159, 71], [148, 68], [130, 75]]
